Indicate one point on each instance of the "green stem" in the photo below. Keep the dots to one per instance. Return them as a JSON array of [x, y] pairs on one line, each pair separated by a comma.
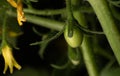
[[103, 52], [115, 12], [48, 12], [48, 23], [69, 18], [45, 12], [4, 29], [88, 56], [3, 43], [40, 21], [86, 46], [87, 49], [69, 10], [115, 3], [109, 27]]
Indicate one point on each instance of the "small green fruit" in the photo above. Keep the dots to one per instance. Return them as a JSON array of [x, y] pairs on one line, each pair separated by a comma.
[[76, 39], [74, 56]]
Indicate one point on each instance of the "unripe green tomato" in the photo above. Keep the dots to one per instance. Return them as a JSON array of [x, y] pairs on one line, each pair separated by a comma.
[[74, 56], [76, 39]]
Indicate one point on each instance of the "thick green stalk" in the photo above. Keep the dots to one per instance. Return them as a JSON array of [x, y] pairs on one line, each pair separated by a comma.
[[40, 21], [89, 58], [109, 27], [48, 12], [69, 10], [69, 18], [45, 22], [44, 12], [87, 49]]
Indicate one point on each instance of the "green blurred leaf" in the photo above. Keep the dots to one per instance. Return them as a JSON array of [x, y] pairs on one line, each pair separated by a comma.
[[13, 31], [111, 72], [34, 0], [3, 4], [30, 71]]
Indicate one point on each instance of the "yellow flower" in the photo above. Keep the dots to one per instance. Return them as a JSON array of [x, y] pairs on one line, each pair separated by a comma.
[[9, 59], [20, 14]]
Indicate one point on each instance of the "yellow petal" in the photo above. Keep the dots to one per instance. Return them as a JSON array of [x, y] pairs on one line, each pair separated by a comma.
[[16, 64], [5, 68], [11, 67], [20, 14], [13, 3], [9, 59]]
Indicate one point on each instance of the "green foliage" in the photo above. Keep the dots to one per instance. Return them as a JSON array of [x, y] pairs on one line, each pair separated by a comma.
[[72, 30], [111, 72]]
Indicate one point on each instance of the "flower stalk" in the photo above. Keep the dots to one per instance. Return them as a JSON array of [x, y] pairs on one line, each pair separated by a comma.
[[7, 51]]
